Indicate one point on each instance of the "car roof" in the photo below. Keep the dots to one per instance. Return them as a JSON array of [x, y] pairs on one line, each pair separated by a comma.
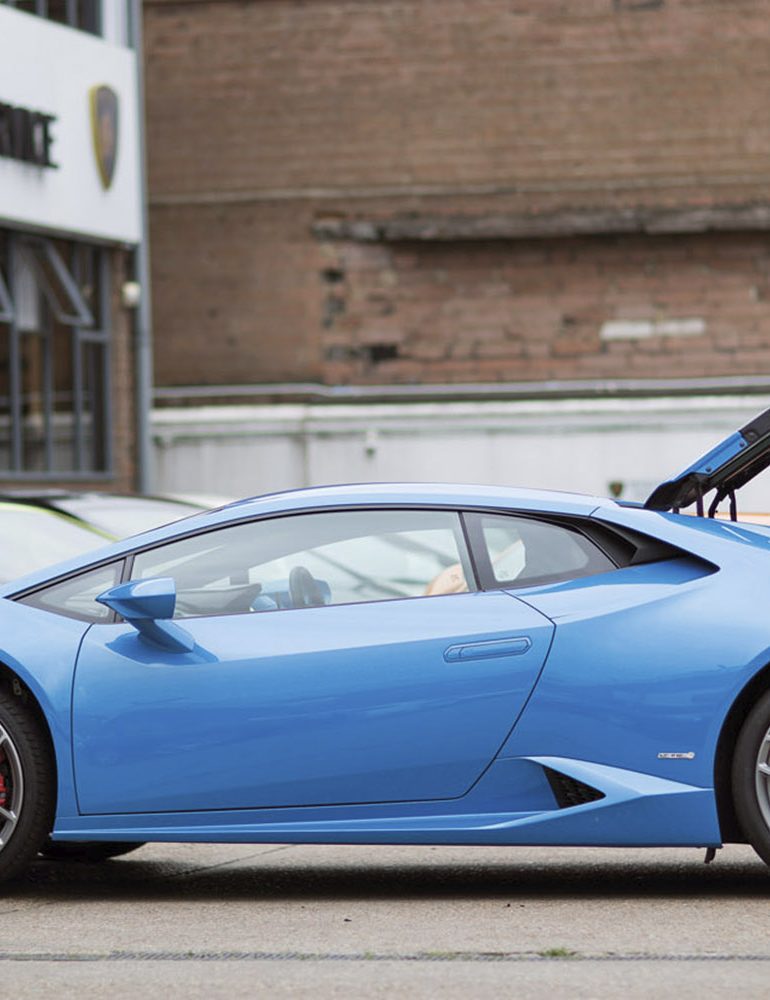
[[444, 494]]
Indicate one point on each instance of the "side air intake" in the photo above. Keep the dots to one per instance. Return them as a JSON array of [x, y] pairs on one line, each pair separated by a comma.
[[569, 791]]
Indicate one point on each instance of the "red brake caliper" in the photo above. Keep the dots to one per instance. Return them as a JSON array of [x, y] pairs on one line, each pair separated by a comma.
[[3, 783]]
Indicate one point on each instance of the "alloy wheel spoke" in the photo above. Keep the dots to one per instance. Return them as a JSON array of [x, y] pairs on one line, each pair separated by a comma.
[[13, 787], [762, 778]]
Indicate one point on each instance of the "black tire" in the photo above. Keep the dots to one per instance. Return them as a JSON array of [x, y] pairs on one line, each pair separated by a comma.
[[28, 795], [86, 850], [751, 786]]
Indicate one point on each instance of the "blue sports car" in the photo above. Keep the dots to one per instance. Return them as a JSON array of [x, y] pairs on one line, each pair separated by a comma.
[[399, 664]]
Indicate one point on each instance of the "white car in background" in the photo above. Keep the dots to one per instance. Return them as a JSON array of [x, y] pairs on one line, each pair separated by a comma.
[[39, 528]]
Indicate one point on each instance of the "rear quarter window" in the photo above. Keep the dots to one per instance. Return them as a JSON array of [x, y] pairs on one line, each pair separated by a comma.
[[516, 551]]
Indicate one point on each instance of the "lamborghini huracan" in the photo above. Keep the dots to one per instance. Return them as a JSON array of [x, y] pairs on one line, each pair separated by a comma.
[[400, 664]]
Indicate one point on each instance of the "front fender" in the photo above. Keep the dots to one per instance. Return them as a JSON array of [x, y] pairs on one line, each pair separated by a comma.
[[41, 649]]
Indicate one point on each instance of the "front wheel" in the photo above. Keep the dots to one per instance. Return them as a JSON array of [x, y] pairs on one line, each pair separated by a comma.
[[751, 778], [86, 850], [27, 787]]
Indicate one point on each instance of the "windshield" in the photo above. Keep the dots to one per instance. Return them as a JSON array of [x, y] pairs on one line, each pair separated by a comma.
[[31, 538], [123, 516]]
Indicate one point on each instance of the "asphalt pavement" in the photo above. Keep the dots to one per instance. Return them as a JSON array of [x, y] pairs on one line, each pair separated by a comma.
[[294, 921]]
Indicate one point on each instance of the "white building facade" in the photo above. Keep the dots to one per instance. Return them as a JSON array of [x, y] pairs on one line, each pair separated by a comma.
[[71, 221]]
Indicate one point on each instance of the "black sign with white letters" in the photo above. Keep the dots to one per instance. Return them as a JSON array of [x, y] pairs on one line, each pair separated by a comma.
[[25, 135]]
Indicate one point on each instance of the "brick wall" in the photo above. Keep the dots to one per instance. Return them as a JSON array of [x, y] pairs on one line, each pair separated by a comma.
[[266, 116], [237, 293], [248, 94], [615, 307]]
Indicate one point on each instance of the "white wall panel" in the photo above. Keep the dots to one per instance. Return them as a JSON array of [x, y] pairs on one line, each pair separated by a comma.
[[567, 444], [51, 68]]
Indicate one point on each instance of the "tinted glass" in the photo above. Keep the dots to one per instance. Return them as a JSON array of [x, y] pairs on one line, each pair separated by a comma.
[[76, 597], [312, 560], [527, 552]]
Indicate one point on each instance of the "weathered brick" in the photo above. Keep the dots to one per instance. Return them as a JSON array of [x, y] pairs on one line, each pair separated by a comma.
[[266, 116]]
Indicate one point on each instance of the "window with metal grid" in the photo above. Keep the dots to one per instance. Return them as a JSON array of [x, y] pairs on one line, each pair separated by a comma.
[[55, 413], [83, 14]]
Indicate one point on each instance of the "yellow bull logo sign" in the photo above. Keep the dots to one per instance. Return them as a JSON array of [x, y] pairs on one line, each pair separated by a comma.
[[104, 129]]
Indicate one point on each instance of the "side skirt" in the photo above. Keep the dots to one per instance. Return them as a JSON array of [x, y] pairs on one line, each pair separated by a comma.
[[512, 804]]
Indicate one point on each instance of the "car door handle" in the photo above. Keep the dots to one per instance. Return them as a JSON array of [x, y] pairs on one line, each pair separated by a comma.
[[514, 646]]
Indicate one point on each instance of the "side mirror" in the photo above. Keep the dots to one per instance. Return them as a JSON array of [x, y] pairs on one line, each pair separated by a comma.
[[149, 605]]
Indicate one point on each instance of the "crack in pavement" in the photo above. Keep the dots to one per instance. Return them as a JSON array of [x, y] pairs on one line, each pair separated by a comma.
[[230, 861], [366, 956], [36, 903]]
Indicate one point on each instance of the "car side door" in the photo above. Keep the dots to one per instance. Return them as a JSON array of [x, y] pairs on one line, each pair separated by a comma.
[[339, 657]]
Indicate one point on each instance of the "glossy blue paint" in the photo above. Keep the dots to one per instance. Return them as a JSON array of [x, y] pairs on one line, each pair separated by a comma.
[[309, 706], [41, 650], [626, 682], [425, 720], [141, 600], [510, 805], [147, 604], [716, 457], [724, 469]]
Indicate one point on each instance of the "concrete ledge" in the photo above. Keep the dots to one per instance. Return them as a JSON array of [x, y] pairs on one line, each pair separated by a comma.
[[567, 222], [316, 392]]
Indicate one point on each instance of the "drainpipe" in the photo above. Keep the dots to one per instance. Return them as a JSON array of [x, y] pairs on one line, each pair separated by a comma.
[[143, 312]]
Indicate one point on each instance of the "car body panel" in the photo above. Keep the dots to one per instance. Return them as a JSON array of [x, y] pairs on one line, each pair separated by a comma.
[[41, 649], [621, 667], [636, 810], [725, 468], [312, 706], [711, 539]]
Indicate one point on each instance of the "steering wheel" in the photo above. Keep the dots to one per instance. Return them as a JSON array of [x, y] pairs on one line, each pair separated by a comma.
[[304, 589]]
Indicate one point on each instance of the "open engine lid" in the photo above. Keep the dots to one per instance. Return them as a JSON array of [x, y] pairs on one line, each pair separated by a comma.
[[726, 468]]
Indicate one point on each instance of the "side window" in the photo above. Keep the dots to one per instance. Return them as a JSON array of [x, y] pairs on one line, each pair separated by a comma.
[[524, 552], [76, 596], [310, 560]]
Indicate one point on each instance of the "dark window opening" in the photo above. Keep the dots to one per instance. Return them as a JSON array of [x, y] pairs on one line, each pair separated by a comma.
[[82, 14], [54, 358], [381, 352], [516, 551]]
